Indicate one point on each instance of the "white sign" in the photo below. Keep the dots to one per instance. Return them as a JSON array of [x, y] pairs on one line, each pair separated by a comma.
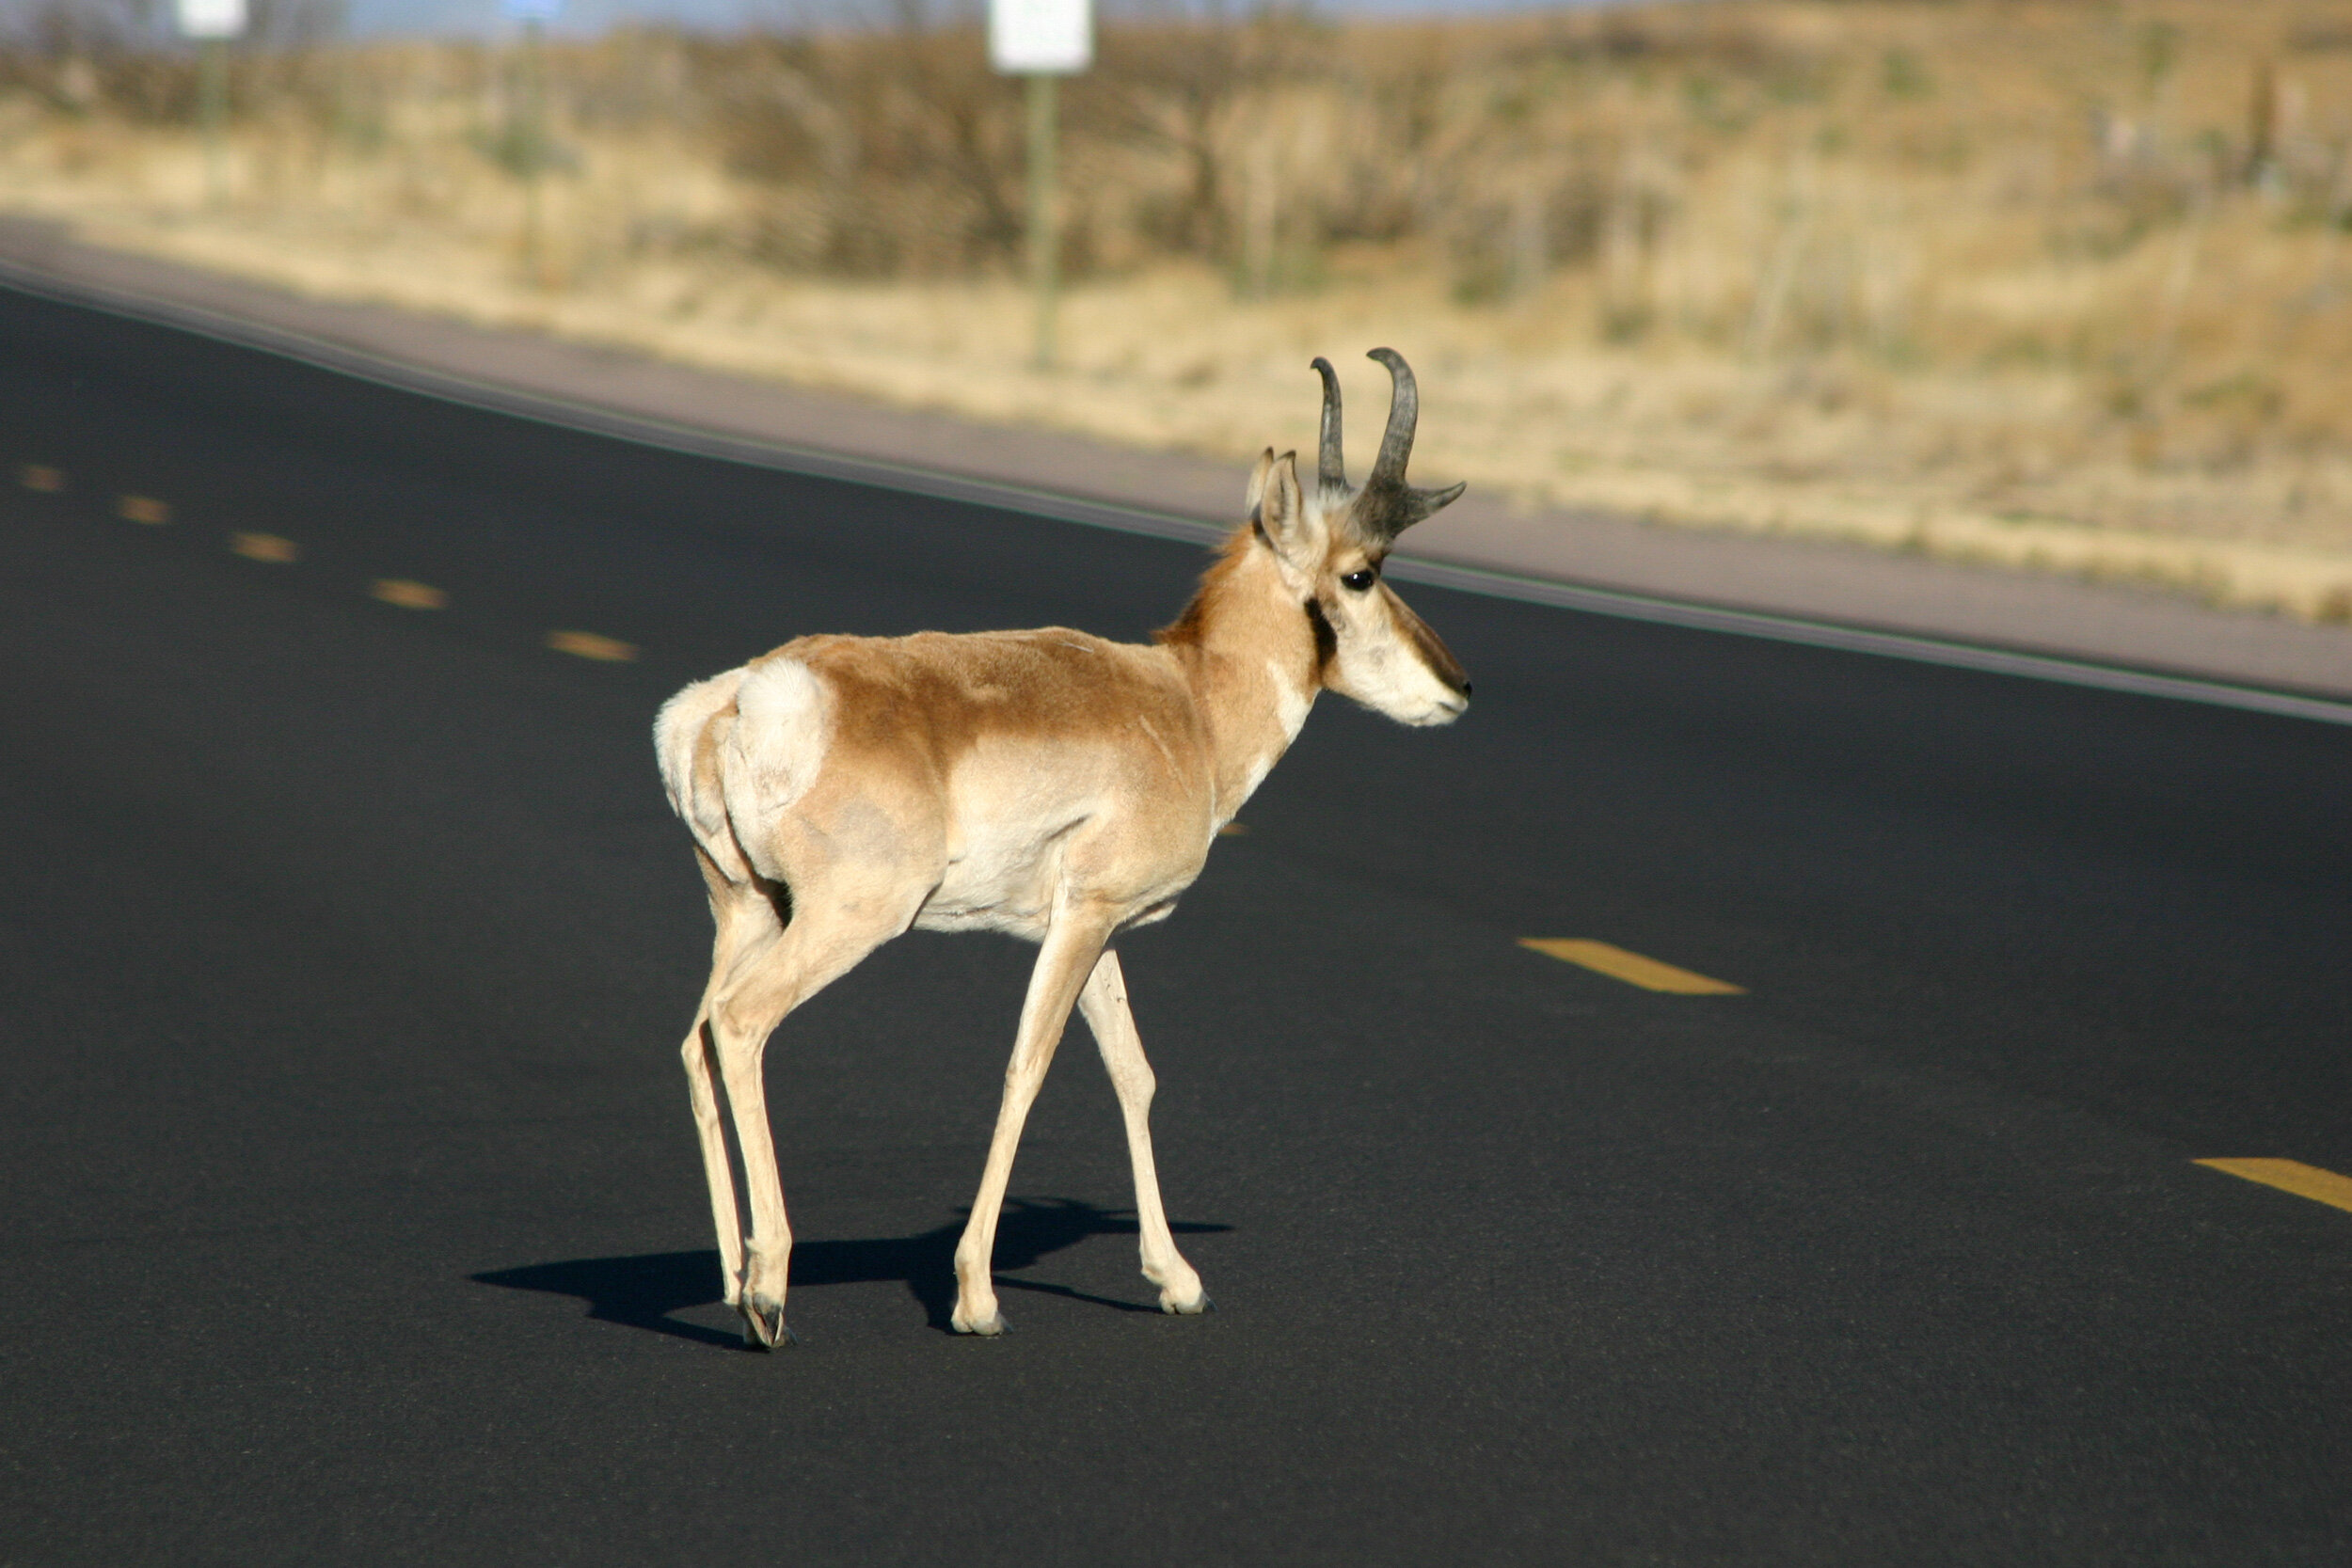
[[1041, 37], [210, 19]]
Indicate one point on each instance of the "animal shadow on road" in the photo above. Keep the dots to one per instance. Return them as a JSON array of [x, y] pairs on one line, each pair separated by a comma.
[[642, 1291]]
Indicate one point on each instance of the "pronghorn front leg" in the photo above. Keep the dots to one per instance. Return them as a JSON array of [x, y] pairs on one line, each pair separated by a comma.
[[1071, 944], [1105, 1004]]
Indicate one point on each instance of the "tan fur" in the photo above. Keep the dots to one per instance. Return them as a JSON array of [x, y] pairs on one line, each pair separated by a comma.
[[1048, 783]]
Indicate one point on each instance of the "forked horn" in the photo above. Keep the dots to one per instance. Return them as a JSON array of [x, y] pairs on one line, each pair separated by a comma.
[[1396, 442], [1389, 506], [1331, 470]]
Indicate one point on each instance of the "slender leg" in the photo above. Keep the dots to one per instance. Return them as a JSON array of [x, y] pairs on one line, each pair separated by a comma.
[[1105, 1004], [745, 1007], [723, 1215], [1070, 946], [744, 925]]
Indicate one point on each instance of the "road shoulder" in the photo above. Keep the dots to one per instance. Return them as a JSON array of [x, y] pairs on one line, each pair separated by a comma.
[[1842, 584]]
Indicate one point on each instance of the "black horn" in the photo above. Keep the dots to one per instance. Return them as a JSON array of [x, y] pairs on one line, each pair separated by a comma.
[[1331, 470], [1390, 506], [1396, 442]]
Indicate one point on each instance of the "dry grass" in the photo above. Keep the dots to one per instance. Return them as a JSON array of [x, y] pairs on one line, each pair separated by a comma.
[[2034, 282]]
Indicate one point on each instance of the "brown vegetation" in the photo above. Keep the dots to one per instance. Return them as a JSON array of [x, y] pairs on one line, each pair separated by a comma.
[[2024, 279]]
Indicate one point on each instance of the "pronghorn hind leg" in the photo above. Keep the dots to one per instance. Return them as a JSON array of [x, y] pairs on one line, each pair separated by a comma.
[[1105, 1004], [1067, 954], [746, 921], [762, 985], [724, 1217]]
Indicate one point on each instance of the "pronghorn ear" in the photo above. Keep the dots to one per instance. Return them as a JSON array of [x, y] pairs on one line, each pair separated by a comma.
[[1278, 508], [1257, 484]]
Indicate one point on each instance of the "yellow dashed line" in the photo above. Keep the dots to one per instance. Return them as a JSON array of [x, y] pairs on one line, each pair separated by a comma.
[[35, 477], [408, 595], [1634, 968], [587, 644], [2291, 1176], [403, 591], [264, 546]]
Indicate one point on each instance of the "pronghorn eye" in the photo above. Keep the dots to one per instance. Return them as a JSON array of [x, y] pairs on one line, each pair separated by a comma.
[[1356, 582]]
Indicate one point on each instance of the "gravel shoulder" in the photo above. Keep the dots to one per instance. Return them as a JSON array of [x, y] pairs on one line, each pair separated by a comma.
[[1840, 583]]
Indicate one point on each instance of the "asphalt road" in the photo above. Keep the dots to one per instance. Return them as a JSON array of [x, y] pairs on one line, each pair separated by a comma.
[[352, 1208]]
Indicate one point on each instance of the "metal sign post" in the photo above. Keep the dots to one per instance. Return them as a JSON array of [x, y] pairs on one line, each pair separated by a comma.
[[527, 133], [212, 23], [1043, 40]]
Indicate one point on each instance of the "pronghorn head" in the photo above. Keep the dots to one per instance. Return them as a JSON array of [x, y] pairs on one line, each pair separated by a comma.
[[1330, 542]]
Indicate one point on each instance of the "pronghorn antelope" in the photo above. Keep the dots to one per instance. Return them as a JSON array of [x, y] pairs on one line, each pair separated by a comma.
[[1048, 783]]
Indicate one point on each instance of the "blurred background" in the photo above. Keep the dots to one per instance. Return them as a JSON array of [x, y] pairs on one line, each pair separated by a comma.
[[2036, 282]]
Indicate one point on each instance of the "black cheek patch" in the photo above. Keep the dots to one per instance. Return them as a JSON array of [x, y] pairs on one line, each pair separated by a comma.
[[1326, 641]]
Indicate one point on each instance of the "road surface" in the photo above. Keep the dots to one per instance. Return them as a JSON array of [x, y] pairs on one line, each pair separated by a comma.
[[353, 1211]]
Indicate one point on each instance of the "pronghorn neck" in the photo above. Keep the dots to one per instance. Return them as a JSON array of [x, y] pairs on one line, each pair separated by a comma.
[[1248, 654]]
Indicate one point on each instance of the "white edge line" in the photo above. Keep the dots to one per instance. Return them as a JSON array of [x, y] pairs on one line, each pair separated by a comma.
[[1863, 639], [751, 452]]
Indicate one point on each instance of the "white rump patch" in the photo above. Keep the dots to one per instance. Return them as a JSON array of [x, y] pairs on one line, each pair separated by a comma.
[[784, 719], [678, 730]]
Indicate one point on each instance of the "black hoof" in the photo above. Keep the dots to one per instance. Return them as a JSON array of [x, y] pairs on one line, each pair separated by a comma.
[[763, 1325]]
